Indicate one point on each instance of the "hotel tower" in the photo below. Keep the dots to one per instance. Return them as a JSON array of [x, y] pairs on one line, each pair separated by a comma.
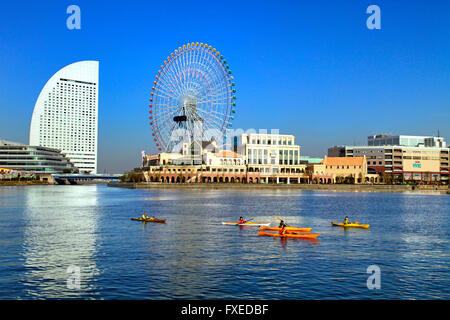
[[65, 116]]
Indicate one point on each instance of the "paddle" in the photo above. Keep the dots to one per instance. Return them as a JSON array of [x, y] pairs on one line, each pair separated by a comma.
[[280, 220]]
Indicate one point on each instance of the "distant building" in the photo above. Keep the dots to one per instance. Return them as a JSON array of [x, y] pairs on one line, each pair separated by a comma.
[[268, 149], [339, 170], [348, 167], [65, 116], [274, 155], [256, 158], [20, 157], [406, 141], [196, 163], [419, 159]]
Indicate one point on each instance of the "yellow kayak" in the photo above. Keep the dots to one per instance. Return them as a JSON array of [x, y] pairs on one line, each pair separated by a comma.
[[351, 225]]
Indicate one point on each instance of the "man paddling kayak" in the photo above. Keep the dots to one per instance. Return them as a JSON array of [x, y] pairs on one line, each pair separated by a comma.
[[241, 220], [283, 227], [145, 216], [346, 221]]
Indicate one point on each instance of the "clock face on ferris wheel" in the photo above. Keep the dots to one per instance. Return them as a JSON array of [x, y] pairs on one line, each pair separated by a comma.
[[193, 88]]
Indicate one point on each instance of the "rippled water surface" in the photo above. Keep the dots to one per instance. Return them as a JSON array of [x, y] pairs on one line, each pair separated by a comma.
[[46, 229]]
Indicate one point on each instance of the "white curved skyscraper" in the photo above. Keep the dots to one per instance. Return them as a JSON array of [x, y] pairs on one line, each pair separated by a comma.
[[65, 116]]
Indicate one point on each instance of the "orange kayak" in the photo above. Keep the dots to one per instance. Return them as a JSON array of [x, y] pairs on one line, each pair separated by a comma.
[[288, 229], [289, 235]]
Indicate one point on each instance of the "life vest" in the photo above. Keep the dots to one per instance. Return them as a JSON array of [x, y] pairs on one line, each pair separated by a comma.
[[283, 229]]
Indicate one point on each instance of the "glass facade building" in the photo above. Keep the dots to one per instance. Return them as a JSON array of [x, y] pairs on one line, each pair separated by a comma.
[[36, 159]]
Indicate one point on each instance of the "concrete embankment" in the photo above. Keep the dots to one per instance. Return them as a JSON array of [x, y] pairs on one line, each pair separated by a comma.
[[23, 183], [44, 183], [316, 187]]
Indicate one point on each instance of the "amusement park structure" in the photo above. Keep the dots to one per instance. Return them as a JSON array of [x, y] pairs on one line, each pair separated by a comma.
[[192, 98]]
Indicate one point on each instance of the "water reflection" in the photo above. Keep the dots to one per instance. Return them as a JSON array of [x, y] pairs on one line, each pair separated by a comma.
[[60, 231], [194, 256]]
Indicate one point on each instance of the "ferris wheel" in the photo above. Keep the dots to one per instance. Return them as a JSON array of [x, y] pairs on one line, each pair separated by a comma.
[[192, 93]]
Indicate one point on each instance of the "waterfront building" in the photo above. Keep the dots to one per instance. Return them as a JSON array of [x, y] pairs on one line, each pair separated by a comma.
[[200, 174], [65, 115], [339, 170], [426, 162], [197, 162], [354, 168], [267, 149], [275, 156], [261, 158], [33, 159]]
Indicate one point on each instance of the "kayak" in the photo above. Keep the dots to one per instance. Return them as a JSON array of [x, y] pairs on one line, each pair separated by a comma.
[[289, 235], [351, 225], [150, 220], [288, 229], [250, 224]]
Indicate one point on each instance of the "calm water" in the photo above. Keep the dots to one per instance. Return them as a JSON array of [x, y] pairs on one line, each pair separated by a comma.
[[46, 229]]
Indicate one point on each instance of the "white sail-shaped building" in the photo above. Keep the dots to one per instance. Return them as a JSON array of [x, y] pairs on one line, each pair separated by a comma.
[[65, 116]]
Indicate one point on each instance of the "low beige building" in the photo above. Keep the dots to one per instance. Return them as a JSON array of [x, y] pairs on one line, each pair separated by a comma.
[[339, 170]]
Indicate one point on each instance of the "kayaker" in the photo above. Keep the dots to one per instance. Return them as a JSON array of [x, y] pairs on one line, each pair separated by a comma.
[[241, 220], [346, 221], [144, 216], [283, 227]]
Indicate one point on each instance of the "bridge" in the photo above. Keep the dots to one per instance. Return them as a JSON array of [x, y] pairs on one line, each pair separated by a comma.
[[83, 178]]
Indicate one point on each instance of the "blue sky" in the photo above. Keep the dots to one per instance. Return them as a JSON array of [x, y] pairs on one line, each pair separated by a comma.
[[308, 68]]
